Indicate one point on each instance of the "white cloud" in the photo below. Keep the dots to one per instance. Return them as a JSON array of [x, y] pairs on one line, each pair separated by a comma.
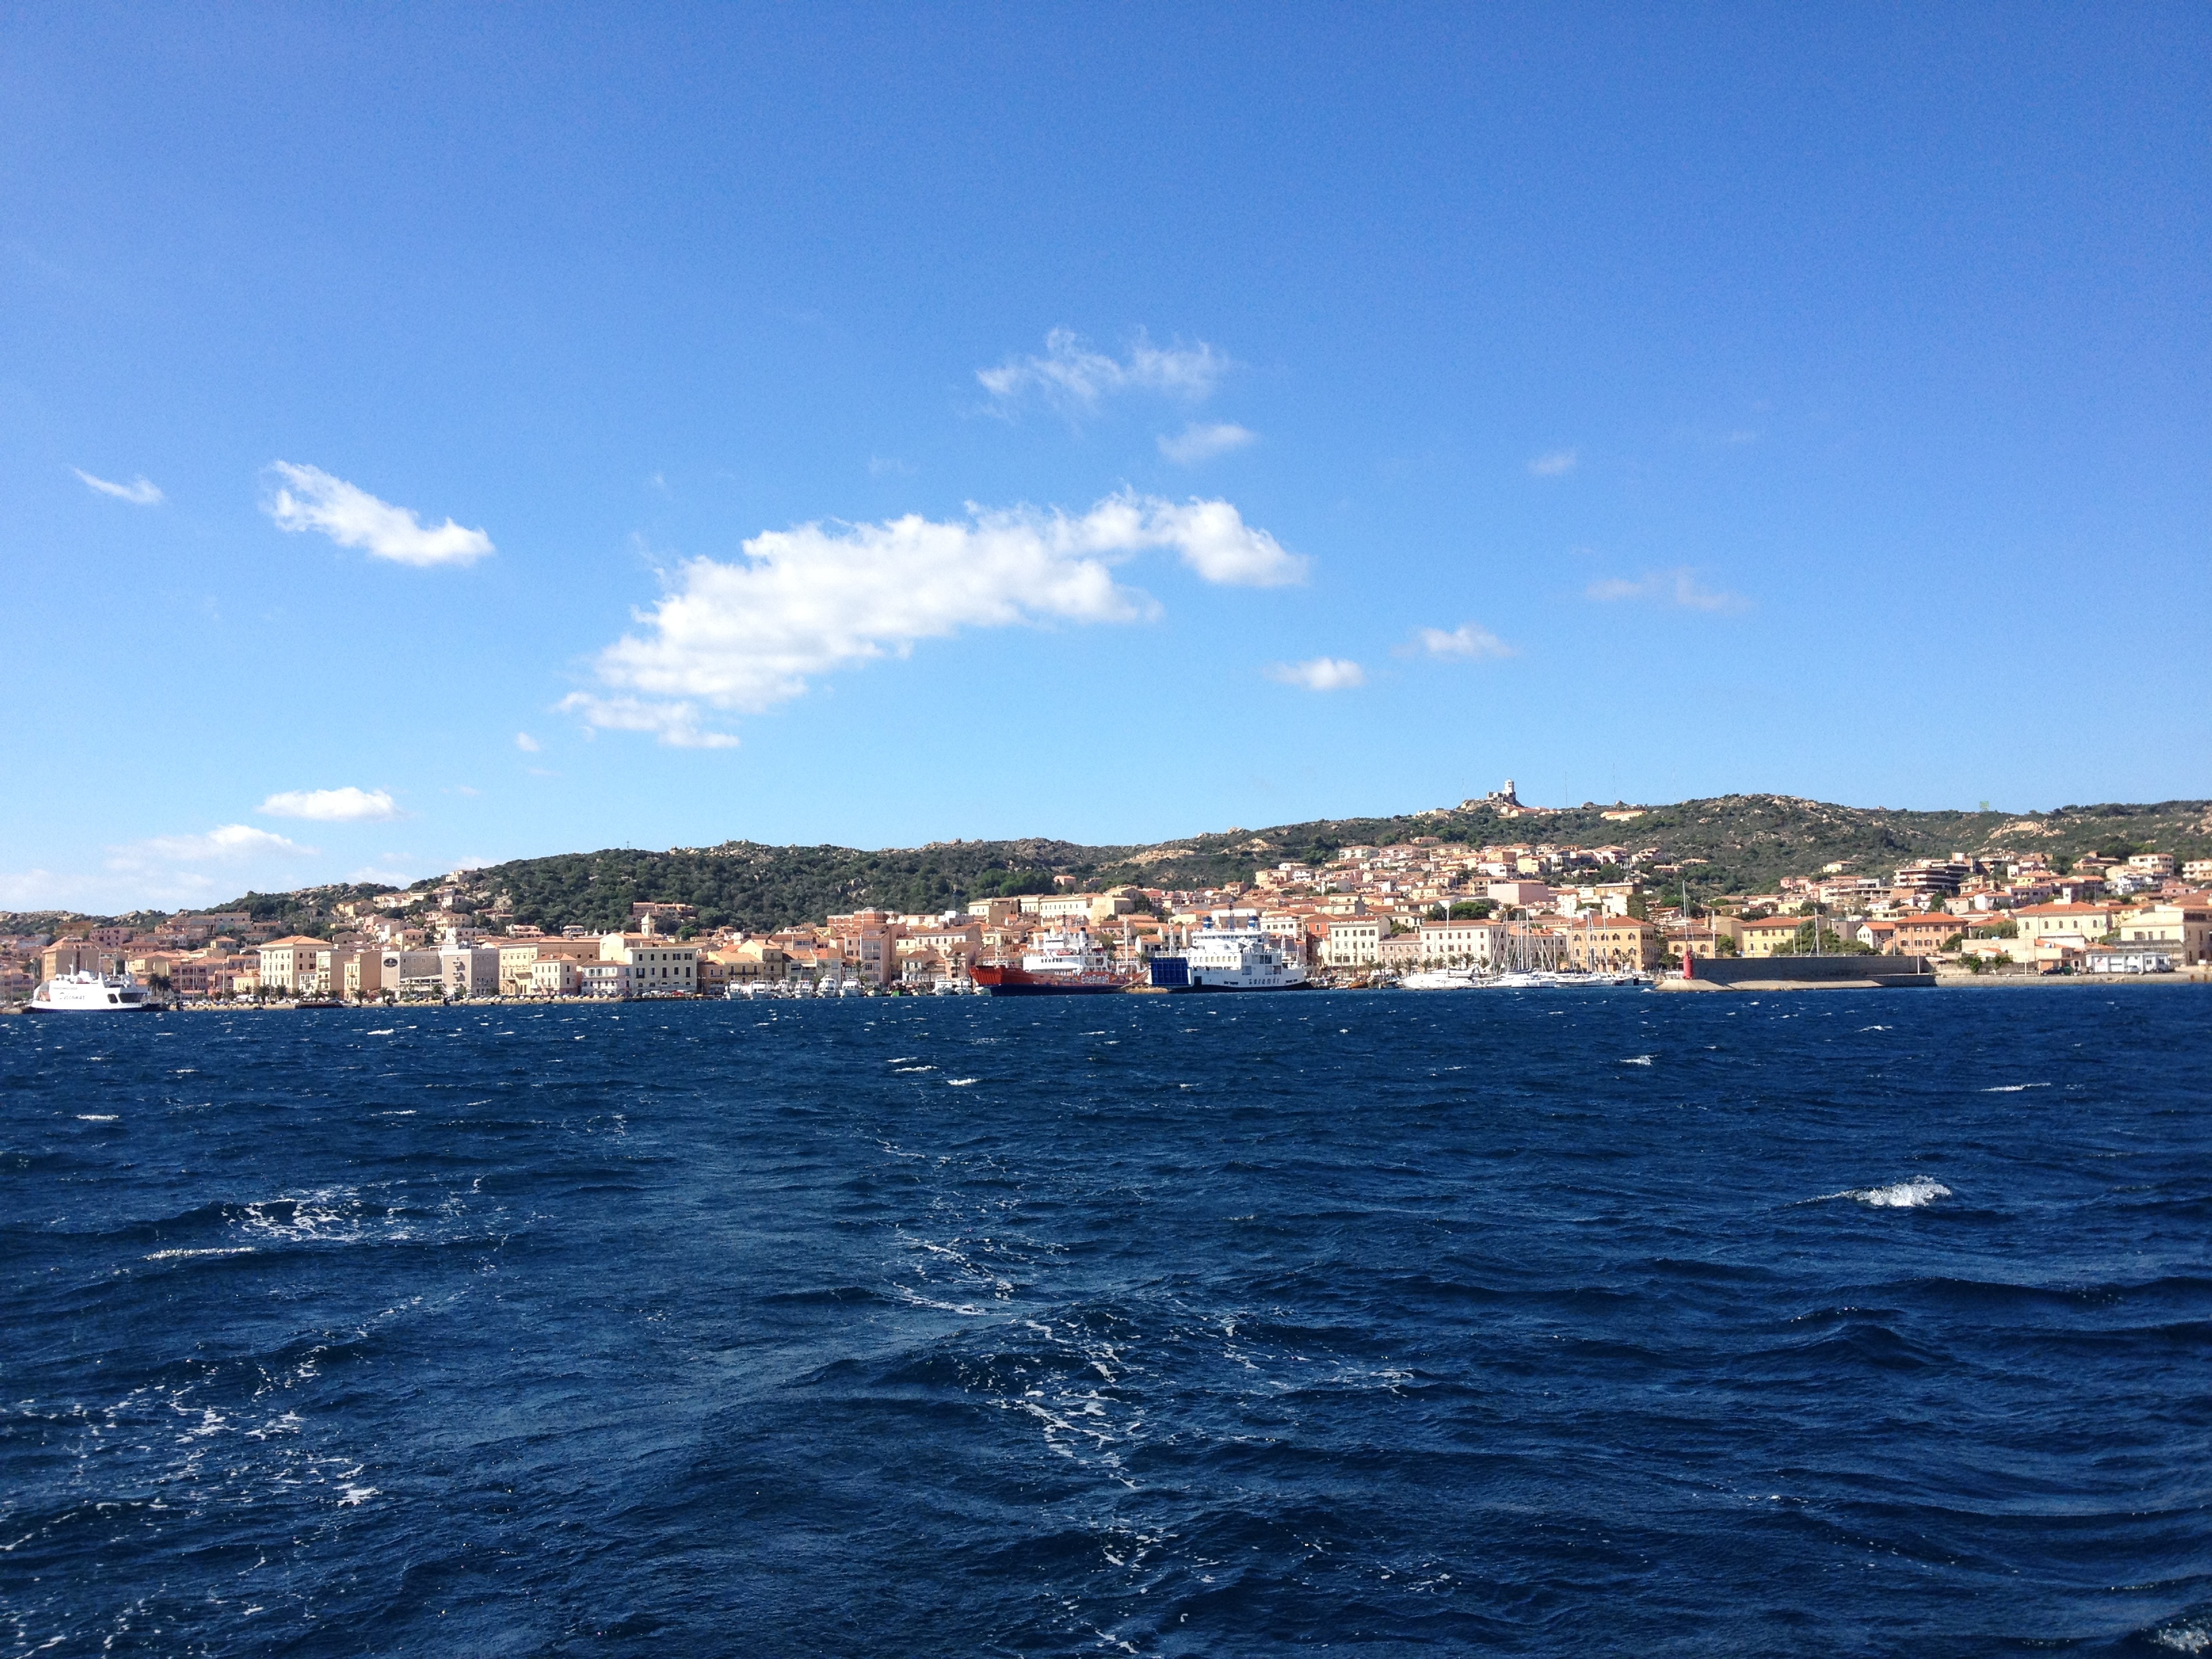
[[229, 844], [1677, 587], [676, 723], [889, 466], [346, 805], [1556, 465], [526, 743], [311, 499], [1073, 378], [742, 637], [1468, 641], [33, 890], [141, 491], [1322, 674], [163, 872], [1197, 442]]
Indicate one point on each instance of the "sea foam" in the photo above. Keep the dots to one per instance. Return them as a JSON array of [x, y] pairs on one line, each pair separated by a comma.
[[1903, 1194]]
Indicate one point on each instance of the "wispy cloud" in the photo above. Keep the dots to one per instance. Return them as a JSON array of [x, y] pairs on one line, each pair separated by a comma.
[[889, 466], [526, 743], [1073, 378], [346, 805], [1319, 674], [1468, 642], [1556, 465], [231, 841], [311, 499], [679, 722], [1678, 586], [742, 637], [141, 491], [163, 871], [1199, 442]]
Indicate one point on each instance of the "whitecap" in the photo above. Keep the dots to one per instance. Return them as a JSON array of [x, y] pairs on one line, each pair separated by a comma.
[[2013, 1088], [961, 1082], [96, 1117], [914, 1068], [387, 1032], [353, 1492], [1637, 1060], [2184, 1637], [174, 1256], [1903, 1194]]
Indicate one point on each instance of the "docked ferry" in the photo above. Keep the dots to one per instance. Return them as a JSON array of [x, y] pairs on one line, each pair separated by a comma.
[[1231, 953], [85, 992], [1055, 965]]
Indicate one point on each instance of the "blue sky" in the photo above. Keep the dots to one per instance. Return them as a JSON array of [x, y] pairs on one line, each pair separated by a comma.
[[433, 435]]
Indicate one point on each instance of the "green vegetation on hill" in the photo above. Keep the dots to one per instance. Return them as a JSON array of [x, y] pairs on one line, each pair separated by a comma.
[[1730, 844], [1726, 844], [742, 884]]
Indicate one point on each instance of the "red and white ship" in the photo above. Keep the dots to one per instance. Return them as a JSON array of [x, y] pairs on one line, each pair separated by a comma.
[[1055, 965]]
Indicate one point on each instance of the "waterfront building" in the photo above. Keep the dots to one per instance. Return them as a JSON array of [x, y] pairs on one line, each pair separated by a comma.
[[1462, 944], [2183, 930], [610, 979], [1611, 944], [2077, 925], [299, 963], [468, 970], [1350, 941], [404, 973], [658, 966]]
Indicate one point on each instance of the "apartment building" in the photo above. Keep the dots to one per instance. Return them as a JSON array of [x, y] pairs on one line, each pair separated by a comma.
[[1613, 944], [410, 973], [518, 960], [298, 964], [1462, 944], [1769, 936], [658, 966], [2077, 925], [468, 970], [1350, 941], [2183, 930], [1923, 934]]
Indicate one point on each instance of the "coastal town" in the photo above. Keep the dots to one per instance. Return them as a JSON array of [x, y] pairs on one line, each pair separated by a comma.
[[1366, 916]]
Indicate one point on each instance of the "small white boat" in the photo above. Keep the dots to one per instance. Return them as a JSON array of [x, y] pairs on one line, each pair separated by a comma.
[[1441, 979], [87, 993]]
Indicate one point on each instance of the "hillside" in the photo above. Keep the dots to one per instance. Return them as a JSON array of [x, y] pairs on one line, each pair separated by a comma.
[[1726, 844]]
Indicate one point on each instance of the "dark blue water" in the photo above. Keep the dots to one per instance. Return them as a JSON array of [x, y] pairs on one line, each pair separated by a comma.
[[1547, 1323]]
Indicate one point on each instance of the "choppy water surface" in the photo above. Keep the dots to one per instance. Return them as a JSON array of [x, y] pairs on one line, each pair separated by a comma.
[[1546, 1322]]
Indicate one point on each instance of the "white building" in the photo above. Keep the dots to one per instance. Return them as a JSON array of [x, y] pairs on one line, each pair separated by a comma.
[[299, 964], [603, 978], [1462, 944], [410, 972], [658, 966], [468, 970], [1352, 941]]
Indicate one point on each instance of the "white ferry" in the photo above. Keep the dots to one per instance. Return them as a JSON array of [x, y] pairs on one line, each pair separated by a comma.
[[1231, 953], [84, 992]]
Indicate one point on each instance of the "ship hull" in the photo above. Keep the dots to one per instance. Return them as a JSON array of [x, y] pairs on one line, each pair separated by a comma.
[[1001, 981]]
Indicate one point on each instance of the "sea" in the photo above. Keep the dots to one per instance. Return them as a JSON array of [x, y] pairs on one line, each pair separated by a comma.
[[1551, 1322]]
